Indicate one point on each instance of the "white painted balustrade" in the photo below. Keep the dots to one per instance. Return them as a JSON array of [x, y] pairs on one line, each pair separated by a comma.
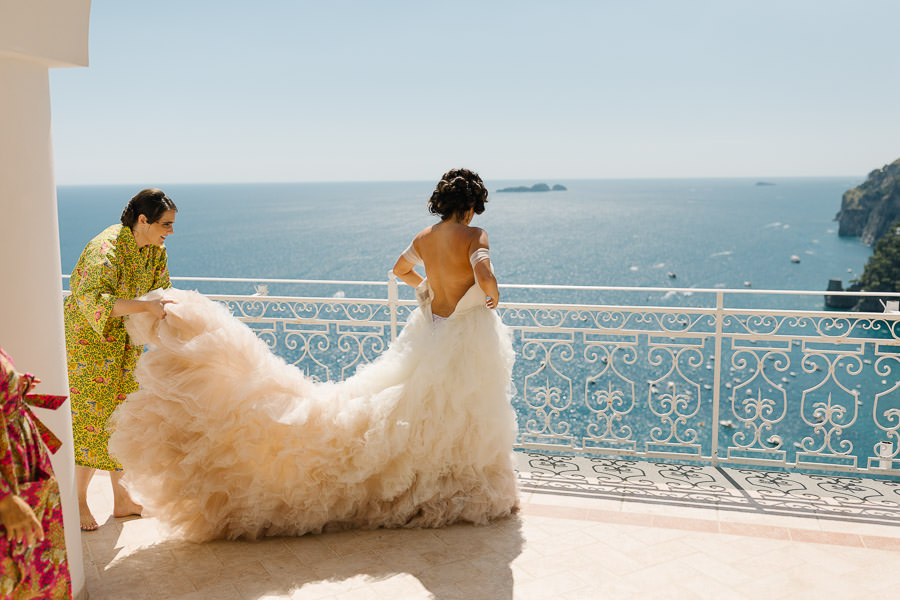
[[713, 383]]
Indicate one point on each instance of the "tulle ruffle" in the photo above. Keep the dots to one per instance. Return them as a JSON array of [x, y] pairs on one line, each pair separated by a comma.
[[224, 439]]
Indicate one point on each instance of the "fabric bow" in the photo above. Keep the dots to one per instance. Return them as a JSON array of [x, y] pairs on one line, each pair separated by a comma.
[[49, 402]]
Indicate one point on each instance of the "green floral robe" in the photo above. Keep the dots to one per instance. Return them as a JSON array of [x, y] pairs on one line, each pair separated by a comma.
[[99, 353]]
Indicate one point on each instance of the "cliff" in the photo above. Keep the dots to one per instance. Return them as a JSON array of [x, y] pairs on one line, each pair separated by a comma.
[[869, 209]]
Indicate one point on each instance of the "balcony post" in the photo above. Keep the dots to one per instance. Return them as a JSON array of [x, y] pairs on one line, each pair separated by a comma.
[[393, 303], [717, 378]]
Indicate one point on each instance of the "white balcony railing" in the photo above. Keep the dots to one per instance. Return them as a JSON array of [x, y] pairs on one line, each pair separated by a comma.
[[712, 383]]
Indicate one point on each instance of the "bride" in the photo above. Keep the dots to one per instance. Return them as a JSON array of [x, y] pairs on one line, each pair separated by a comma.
[[226, 440]]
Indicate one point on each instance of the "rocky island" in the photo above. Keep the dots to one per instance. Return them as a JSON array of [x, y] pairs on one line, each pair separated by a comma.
[[869, 209], [538, 187]]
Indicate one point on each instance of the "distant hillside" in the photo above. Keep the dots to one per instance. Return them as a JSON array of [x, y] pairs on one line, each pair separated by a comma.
[[882, 271], [868, 210]]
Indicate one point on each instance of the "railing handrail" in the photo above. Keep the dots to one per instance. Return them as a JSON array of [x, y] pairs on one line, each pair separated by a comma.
[[547, 286], [556, 306]]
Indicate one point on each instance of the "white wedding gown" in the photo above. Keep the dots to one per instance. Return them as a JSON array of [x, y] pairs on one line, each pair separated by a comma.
[[224, 439]]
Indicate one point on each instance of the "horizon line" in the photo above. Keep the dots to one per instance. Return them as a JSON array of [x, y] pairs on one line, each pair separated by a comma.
[[504, 179]]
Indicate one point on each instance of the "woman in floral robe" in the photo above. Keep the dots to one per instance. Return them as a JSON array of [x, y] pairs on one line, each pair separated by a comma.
[[122, 263], [33, 562]]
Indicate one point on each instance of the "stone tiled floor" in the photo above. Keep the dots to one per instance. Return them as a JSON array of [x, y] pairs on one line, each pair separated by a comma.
[[565, 543]]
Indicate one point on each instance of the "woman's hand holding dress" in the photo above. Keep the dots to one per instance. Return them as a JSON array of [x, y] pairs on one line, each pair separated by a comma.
[[157, 308]]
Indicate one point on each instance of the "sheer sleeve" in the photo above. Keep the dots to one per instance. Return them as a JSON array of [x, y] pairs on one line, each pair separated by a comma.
[[412, 256], [479, 255]]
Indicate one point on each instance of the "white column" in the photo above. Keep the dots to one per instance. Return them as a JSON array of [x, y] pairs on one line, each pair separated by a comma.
[[34, 37], [31, 321]]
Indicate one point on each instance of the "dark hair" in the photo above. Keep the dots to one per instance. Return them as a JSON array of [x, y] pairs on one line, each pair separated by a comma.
[[152, 203], [456, 192]]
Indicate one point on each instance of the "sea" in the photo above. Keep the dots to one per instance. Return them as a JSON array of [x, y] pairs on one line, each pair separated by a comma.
[[660, 233]]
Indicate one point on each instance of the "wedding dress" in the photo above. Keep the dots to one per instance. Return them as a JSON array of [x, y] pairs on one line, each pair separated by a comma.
[[224, 439]]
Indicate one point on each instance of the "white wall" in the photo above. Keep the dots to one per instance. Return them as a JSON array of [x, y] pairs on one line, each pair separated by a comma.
[[36, 35], [52, 32]]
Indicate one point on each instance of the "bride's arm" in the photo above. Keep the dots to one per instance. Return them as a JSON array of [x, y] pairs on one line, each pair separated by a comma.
[[403, 268], [484, 273]]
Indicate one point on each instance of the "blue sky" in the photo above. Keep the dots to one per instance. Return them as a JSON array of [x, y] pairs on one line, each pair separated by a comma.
[[222, 91]]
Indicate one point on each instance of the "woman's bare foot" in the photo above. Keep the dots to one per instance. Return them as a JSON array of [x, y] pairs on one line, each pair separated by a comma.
[[123, 505], [127, 508], [88, 522], [83, 477]]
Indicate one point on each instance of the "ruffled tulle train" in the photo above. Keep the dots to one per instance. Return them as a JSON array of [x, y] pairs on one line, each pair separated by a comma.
[[224, 439]]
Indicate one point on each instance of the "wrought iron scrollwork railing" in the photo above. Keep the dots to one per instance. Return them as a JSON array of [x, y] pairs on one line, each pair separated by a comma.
[[817, 390]]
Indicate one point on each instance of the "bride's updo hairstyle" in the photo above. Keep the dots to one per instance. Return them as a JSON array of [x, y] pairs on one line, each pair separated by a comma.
[[152, 203], [456, 192]]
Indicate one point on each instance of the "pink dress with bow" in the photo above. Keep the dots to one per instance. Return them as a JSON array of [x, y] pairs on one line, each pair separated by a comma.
[[42, 570]]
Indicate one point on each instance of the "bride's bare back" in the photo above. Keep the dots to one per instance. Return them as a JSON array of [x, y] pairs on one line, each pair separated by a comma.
[[446, 248]]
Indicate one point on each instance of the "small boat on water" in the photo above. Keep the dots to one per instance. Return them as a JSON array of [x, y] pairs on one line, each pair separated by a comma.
[[795, 258]]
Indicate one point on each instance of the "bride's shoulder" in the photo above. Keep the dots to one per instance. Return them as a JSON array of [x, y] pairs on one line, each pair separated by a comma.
[[477, 235], [425, 233]]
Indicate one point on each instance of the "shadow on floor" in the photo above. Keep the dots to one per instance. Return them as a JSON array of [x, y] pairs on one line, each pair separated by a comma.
[[461, 561]]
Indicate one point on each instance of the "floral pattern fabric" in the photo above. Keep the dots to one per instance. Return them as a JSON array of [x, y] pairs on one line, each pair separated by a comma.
[[39, 571], [100, 356]]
